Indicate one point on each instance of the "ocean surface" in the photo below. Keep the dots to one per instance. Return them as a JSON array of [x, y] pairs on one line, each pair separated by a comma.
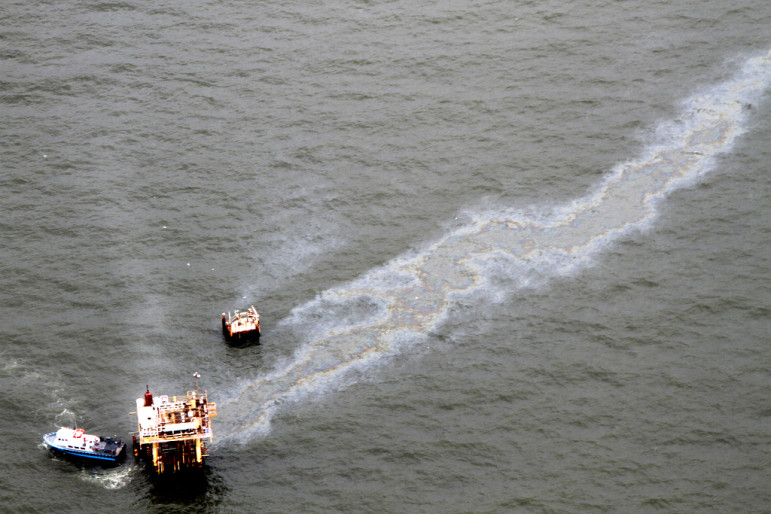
[[509, 256]]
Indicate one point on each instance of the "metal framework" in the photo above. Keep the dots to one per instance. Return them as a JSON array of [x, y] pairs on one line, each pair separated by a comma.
[[174, 430]]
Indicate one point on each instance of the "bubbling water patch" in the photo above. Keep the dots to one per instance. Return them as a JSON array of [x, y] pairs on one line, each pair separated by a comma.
[[409, 296]]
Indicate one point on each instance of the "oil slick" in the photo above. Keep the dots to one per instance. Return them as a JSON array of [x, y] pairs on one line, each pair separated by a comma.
[[402, 301]]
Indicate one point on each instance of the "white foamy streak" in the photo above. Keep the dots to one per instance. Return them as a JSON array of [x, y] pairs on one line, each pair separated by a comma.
[[115, 478], [406, 298]]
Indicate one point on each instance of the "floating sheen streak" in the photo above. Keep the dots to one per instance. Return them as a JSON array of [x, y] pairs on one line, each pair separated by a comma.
[[497, 252]]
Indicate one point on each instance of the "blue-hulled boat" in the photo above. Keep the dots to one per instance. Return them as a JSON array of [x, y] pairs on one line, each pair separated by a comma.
[[76, 443]]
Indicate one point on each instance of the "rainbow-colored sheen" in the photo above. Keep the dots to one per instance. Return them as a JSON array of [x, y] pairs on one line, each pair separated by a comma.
[[411, 295]]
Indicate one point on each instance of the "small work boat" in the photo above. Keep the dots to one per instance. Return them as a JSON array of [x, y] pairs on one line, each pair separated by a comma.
[[76, 443], [241, 326]]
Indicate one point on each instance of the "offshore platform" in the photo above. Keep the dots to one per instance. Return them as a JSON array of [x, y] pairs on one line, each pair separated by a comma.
[[241, 326], [173, 430]]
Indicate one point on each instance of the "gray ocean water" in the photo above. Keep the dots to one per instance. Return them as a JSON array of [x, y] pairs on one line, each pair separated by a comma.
[[509, 256]]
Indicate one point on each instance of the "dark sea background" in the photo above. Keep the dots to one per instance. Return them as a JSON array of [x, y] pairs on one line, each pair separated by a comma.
[[600, 342]]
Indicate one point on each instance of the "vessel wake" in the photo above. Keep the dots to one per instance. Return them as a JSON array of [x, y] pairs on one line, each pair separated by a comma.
[[403, 300]]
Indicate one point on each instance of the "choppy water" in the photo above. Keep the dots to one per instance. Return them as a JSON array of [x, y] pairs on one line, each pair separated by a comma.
[[509, 256]]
